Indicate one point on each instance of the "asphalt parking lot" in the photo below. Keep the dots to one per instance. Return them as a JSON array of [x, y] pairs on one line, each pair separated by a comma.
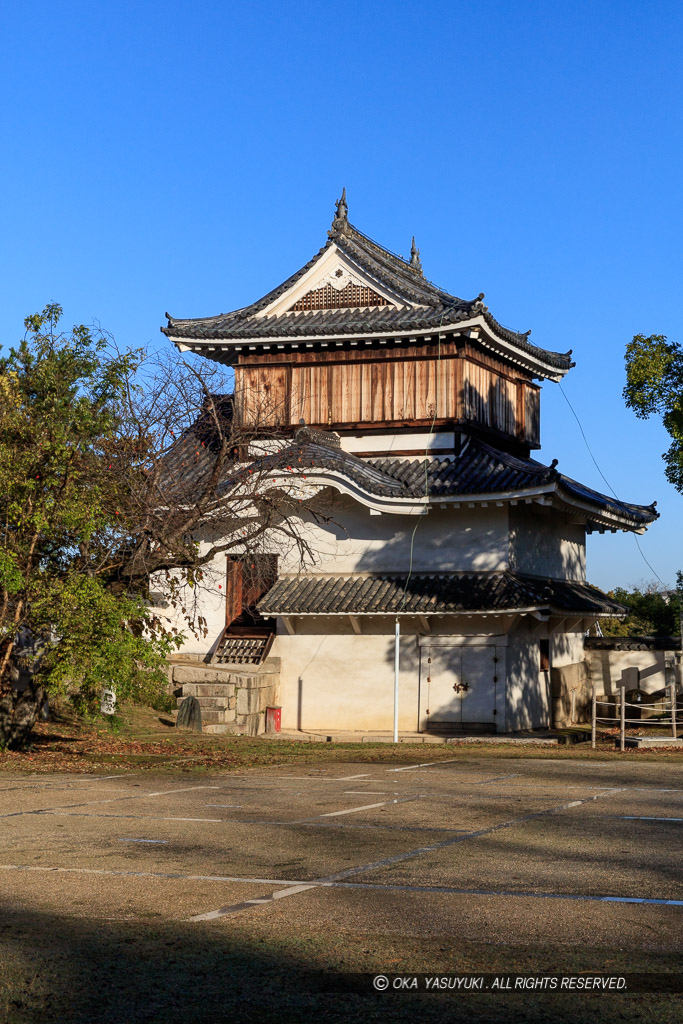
[[554, 856]]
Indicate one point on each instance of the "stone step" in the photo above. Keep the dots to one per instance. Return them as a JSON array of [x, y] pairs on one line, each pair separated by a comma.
[[211, 702], [208, 689], [222, 729], [200, 674], [215, 716]]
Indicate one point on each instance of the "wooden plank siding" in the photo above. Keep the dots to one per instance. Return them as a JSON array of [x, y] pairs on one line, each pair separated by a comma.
[[532, 415], [392, 386]]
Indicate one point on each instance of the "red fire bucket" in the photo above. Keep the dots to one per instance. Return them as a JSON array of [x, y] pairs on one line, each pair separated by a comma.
[[273, 719]]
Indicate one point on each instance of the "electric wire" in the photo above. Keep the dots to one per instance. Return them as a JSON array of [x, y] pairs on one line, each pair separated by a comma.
[[585, 441]]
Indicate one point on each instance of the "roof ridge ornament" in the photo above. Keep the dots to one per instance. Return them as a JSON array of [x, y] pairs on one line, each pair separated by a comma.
[[309, 435], [340, 224], [415, 261]]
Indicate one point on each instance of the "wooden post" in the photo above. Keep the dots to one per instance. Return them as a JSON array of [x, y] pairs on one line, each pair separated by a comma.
[[670, 682], [673, 711], [594, 719], [622, 729]]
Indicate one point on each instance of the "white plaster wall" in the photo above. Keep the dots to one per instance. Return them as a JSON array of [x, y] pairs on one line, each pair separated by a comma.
[[542, 542], [527, 704], [566, 649], [207, 600], [445, 539], [420, 440], [333, 679], [606, 668], [346, 682], [355, 541]]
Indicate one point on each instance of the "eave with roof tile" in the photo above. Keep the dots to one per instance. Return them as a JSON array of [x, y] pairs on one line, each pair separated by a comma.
[[494, 593], [479, 475], [421, 310]]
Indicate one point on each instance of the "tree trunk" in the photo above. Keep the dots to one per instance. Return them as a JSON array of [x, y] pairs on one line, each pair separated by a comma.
[[19, 713]]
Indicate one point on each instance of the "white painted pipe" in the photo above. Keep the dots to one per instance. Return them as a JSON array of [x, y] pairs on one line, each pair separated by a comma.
[[397, 637]]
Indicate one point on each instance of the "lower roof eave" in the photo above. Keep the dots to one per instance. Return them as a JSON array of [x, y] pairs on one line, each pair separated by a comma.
[[457, 613], [544, 494], [474, 326]]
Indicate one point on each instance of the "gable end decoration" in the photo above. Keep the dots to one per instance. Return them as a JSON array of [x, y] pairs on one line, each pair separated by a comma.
[[351, 295]]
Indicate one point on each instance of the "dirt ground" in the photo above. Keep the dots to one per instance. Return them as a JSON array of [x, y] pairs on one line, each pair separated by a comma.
[[145, 740], [255, 881]]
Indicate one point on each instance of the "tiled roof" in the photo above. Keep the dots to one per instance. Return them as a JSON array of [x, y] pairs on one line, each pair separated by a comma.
[[484, 470], [633, 643], [479, 470], [187, 465], [432, 594], [426, 307]]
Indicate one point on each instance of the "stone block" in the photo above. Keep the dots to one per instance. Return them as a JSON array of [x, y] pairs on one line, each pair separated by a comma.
[[208, 689], [211, 716], [247, 702], [267, 679], [250, 725], [222, 729], [224, 690], [200, 674], [267, 697]]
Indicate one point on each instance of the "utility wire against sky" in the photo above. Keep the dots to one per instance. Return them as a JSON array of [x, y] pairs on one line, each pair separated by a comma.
[[590, 452]]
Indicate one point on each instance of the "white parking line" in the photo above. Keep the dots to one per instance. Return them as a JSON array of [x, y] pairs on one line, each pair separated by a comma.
[[167, 792], [427, 764], [347, 778], [498, 778], [109, 800], [163, 841], [140, 817], [235, 908], [312, 778], [649, 789], [150, 874], [293, 886], [355, 810], [522, 894], [638, 817], [335, 814]]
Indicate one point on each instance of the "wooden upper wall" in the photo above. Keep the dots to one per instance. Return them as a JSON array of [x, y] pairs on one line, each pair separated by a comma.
[[415, 386]]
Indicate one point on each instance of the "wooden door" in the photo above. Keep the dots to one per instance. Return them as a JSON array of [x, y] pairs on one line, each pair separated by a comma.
[[458, 685]]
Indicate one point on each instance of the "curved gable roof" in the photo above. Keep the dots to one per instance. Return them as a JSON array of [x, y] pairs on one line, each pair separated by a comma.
[[415, 305]]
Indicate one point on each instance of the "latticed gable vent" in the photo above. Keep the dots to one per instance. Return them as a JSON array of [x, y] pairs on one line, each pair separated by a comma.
[[350, 296]]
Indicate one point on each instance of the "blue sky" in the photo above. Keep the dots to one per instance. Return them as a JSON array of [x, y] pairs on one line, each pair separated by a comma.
[[185, 156]]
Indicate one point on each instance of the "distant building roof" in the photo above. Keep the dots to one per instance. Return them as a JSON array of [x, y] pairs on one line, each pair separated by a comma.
[[633, 643]]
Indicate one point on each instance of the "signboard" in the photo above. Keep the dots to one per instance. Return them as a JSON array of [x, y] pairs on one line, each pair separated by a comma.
[[108, 702]]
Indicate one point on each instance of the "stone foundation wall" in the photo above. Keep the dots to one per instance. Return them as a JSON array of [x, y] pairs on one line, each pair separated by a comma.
[[233, 698], [571, 695]]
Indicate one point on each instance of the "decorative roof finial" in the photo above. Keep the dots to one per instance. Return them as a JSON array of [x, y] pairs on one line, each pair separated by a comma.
[[415, 261], [341, 217]]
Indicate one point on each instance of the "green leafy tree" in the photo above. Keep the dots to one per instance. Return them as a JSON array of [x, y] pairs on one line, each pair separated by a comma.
[[63, 626], [654, 387], [652, 611], [120, 481]]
